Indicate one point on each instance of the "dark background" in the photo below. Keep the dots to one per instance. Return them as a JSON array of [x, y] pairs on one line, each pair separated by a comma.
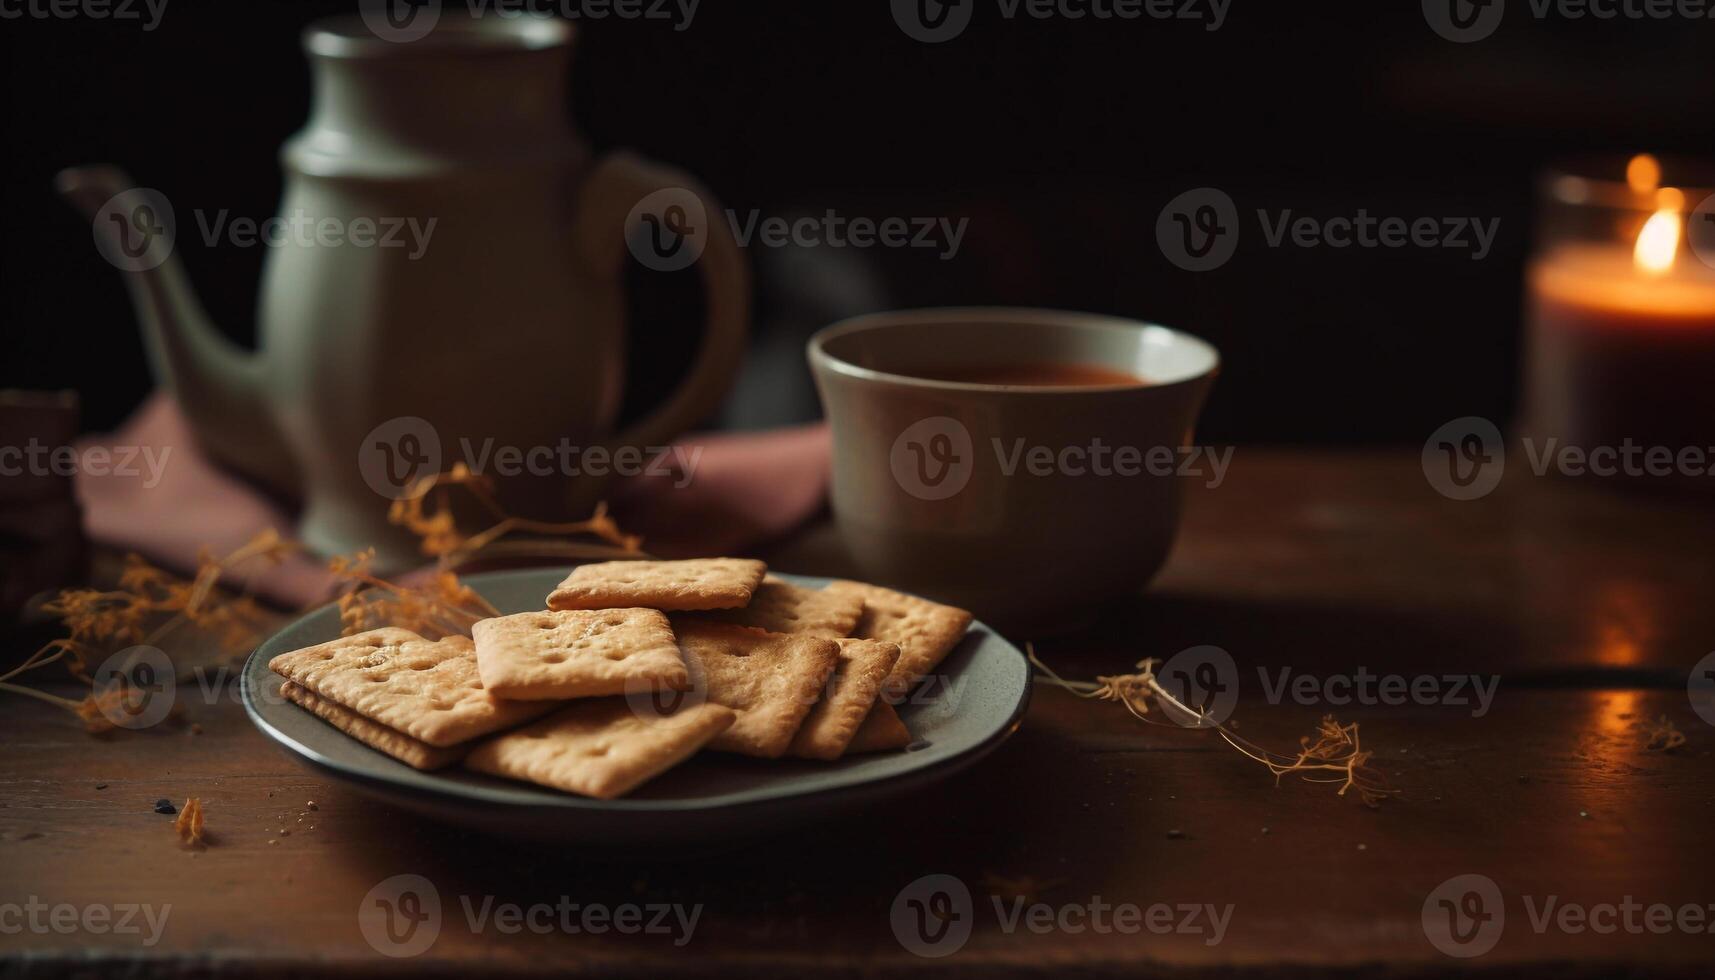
[[1061, 141]]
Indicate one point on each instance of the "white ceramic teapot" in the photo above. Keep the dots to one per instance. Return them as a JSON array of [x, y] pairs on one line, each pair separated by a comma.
[[495, 317]]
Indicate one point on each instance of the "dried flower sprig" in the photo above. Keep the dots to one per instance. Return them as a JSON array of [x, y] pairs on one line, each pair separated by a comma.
[[441, 607], [189, 823], [444, 606], [1336, 748], [442, 539], [149, 605]]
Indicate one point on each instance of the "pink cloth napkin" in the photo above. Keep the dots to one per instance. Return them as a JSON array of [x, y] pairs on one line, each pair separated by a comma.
[[171, 502]]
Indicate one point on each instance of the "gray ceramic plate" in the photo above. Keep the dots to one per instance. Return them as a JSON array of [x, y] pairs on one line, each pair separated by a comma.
[[958, 716]]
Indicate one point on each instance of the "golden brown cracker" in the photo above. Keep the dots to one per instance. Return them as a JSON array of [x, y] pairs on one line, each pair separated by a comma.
[[925, 631], [851, 693], [577, 653], [428, 689], [698, 583], [600, 747], [414, 753], [771, 679], [781, 607], [882, 731]]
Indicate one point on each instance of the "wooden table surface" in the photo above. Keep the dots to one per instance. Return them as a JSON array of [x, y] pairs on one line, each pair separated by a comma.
[[1589, 609]]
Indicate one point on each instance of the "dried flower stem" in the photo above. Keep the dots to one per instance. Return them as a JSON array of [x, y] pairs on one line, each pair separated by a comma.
[[1336, 749]]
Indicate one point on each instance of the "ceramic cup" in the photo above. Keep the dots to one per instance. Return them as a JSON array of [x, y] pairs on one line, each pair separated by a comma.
[[1028, 505]]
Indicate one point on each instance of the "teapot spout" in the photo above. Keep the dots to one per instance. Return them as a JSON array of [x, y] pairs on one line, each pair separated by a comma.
[[218, 385]]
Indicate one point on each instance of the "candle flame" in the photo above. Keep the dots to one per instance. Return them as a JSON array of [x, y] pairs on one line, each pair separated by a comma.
[[1643, 173], [1658, 242]]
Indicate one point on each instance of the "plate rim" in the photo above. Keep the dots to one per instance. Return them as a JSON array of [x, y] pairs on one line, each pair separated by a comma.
[[547, 800]]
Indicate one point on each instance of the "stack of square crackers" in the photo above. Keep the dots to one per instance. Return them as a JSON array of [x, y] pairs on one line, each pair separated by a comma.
[[633, 667]]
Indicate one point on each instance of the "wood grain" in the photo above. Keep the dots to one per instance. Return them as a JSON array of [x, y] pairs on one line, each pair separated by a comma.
[[1582, 603]]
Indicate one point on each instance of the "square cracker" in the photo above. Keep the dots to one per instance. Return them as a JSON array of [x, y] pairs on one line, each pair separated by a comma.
[[577, 653], [414, 753], [863, 665], [925, 631], [698, 583], [781, 607], [428, 689], [600, 747], [882, 731], [771, 680]]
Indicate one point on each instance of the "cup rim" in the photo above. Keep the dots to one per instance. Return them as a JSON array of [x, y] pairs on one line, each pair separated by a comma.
[[819, 355]]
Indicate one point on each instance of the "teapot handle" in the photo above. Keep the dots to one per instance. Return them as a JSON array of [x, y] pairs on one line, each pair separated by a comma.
[[668, 220]]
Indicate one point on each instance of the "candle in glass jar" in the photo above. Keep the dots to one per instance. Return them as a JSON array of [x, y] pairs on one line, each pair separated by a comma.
[[1622, 340]]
